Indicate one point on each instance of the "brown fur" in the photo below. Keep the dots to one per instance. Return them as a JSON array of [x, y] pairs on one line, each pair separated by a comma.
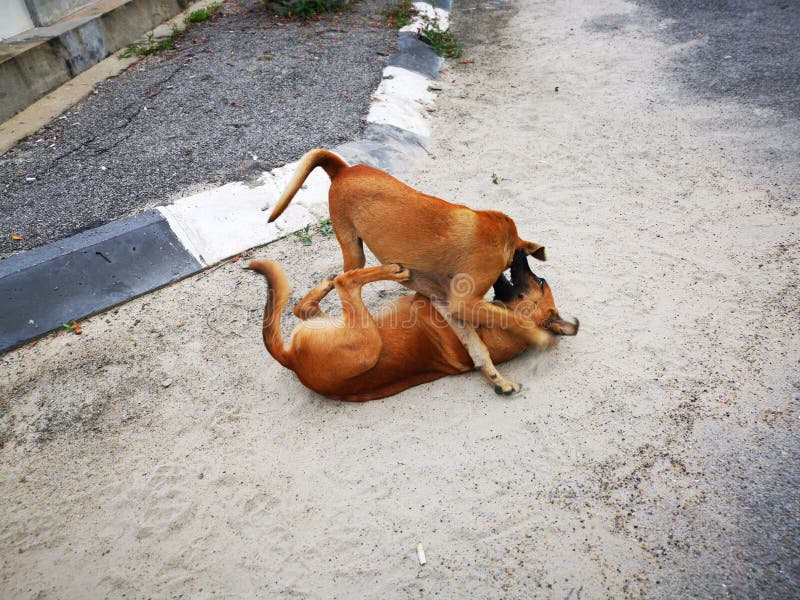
[[454, 253], [360, 356]]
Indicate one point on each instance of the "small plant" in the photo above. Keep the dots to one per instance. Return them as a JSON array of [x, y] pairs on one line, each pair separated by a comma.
[[444, 43], [152, 46], [325, 227], [202, 14], [304, 235], [401, 15], [495, 179], [307, 8]]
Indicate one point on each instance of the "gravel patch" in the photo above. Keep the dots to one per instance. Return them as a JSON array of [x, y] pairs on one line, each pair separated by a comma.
[[237, 96]]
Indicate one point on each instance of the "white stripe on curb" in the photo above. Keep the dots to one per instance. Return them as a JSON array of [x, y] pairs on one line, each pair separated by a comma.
[[428, 14], [401, 100], [225, 221]]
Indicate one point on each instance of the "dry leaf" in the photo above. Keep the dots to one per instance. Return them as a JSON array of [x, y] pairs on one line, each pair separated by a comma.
[[180, 324], [235, 258], [73, 326], [16, 236]]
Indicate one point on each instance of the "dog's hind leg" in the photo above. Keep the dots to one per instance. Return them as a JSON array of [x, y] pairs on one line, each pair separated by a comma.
[[308, 307], [349, 284], [352, 245], [356, 346]]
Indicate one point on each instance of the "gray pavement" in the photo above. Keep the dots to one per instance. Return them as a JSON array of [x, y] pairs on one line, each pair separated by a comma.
[[238, 96], [743, 49], [743, 52]]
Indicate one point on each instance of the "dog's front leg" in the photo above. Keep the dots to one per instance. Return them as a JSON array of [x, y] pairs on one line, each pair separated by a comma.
[[477, 350]]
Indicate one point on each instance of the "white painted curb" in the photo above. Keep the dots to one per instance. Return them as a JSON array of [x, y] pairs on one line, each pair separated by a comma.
[[401, 100], [222, 222], [427, 14]]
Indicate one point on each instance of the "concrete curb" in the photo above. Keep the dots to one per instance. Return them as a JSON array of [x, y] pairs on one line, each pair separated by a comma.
[[89, 272]]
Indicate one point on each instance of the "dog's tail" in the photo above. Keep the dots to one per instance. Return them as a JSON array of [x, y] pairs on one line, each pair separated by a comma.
[[277, 297], [332, 163]]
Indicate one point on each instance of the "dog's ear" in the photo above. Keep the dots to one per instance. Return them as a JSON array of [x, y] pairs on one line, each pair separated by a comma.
[[536, 250], [503, 290]]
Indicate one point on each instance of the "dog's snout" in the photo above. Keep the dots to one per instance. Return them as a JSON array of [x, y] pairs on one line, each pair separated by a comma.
[[563, 327]]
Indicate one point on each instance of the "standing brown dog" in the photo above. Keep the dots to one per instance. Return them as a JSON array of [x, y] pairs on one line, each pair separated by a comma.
[[454, 253], [363, 357]]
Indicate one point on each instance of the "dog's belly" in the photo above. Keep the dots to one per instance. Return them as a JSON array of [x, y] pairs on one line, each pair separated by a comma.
[[431, 285]]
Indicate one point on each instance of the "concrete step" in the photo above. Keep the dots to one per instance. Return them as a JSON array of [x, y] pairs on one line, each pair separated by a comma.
[[37, 61]]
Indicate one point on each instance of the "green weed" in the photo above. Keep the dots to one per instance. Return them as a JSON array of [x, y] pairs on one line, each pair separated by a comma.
[[307, 8], [401, 15], [202, 14], [444, 43], [325, 227], [152, 46], [304, 235]]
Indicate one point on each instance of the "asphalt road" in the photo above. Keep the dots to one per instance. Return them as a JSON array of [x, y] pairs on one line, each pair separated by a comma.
[[238, 96], [746, 53], [742, 49]]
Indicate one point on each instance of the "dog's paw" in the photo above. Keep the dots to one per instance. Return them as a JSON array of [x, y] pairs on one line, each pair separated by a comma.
[[506, 387], [399, 272]]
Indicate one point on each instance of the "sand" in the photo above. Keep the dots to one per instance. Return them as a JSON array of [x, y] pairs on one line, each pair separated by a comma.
[[163, 453]]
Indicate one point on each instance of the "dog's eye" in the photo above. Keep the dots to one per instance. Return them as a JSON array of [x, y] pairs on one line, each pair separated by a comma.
[[520, 295]]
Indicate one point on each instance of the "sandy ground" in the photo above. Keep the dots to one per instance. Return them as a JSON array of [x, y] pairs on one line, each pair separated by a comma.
[[164, 454]]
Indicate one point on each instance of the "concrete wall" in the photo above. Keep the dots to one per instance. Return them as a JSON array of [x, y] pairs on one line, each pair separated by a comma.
[[14, 18], [47, 12], [45, 63]]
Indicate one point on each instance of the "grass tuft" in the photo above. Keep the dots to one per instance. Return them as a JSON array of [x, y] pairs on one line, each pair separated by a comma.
[[444, 43], [307, 8], [401, 15], [151, 46], [202, 14]]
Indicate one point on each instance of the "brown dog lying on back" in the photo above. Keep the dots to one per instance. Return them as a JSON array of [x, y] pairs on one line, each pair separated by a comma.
[[454, 254], [363, 357]]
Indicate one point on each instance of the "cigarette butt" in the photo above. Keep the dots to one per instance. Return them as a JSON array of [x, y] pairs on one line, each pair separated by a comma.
[[421, 554]]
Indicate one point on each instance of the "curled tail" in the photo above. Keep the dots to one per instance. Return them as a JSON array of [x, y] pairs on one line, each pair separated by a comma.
[[277, 297], [332, 163]]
